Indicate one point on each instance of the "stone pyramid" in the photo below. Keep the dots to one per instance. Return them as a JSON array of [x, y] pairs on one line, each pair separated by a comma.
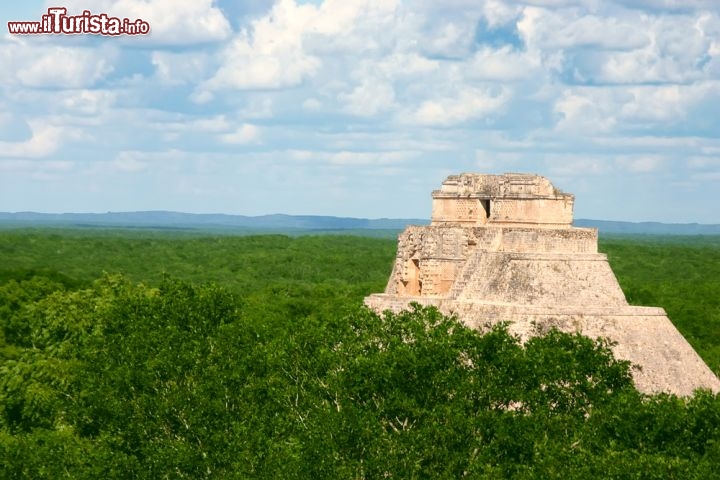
[[503, 248]]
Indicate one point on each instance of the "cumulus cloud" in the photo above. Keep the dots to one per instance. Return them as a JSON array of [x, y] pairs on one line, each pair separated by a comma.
[[503, 64], [369, 98], [491, 160], [453, 39], [41, 65], [352, 158], [498, 12], [586, 111], [173, 68], [677, 54], [46, 139], [397, 65], [172, 22], [88, 102], [311, 104], [271, 53], [669, 5], [258, 107], [130, 162], [470, 103], [172, 161], [599, 110], [578, 166], [189, 125], [557, 29], [35, 167], [661, 103], [245, 133], [640, 163]]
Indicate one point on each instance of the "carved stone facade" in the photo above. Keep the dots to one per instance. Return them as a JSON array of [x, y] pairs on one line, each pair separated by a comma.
[[502, 248], [510, 199]]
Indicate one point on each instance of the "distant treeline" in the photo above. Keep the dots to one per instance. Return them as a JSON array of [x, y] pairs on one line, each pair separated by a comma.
[[294, 224]]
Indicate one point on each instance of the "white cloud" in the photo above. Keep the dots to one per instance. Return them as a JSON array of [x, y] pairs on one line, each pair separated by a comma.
[[369, 98], [498, 12], [218, 123], [129, 162], [660, 103], [399, 65], [546, 29], [599, 110], [246, 133], [311, 104], [452, 39], [490, 161], [53, 66], [37, 167], [625, 47], [168, 162], [676, 54], [258, 107], [88, 102], [369, 158], [671, 5], [582, 112], [172, 22], [705, 177], [666, 105], [578, 166], [352, 158], [181, 68], [201, 96], [357, 26], [272, 53], [45, 140], [187, 125], [640, 163], [503, 64], [703, 162], [470, 103]]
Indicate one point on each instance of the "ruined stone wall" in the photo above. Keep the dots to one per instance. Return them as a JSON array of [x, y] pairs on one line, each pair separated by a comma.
[[531, 211], [561, 240], [508, 211], [430, 260], [470, 199], [507, 185], [543, 279], [471, 211]]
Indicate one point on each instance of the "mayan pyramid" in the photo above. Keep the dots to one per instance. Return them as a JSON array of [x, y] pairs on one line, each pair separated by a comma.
[[503, 248]]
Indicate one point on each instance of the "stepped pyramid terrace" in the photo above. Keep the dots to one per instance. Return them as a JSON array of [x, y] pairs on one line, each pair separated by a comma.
[[503, 248]]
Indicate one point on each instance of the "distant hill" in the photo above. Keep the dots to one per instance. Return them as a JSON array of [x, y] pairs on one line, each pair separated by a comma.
[[297, 223], [176, 220], [649, 228]]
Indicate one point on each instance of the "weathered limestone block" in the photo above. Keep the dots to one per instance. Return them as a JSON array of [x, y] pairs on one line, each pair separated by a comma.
[[510, 199], [502, 248]]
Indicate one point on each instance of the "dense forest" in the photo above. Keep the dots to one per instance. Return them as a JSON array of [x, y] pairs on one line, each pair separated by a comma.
[[156, 355]]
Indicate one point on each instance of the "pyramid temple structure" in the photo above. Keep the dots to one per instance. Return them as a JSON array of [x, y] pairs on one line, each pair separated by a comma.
[[503, 248]]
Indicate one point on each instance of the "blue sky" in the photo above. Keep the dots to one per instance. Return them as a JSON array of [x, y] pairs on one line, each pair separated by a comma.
[[362, 107]]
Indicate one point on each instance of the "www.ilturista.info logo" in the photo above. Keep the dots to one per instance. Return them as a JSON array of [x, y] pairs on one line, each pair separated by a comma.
[[57, 21]]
